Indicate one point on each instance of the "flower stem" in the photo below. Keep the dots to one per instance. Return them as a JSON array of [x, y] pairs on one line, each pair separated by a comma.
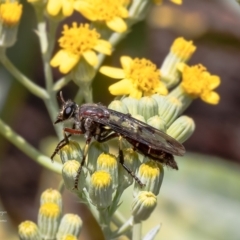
[[46, 45], [28, 149]]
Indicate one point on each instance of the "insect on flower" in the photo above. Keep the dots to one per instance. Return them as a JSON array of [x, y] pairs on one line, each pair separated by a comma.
[[99, 122]]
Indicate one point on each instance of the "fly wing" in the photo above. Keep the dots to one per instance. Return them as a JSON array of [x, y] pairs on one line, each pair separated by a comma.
[[128, 126]]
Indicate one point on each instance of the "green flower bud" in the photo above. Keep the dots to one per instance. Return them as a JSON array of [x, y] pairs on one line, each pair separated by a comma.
[[94, 151], [71, 151], [51, 196], [101, 190], [108, 162], [48, 220], [182, 128], [132, 105], [28, 231], [169, 108], [69, 173], [143, 205], [157, 122], [71, 224], [151, 174], [147, 107], [131, 161], [139, 117], [118, 106]]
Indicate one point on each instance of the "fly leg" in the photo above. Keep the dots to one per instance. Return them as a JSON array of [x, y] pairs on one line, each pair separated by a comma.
[[105, 137], [65, 141], [85, 152], [121, 160]]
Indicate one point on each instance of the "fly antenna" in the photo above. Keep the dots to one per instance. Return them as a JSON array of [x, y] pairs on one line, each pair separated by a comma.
[[60, 97]]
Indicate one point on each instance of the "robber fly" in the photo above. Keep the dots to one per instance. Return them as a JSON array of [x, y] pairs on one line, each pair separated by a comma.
[[99, 122]]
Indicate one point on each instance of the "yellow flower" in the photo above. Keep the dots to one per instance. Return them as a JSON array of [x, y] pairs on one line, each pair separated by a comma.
[[76, 42], [140, 77], [54, 7], [111, 12], [198, 82], [10, 13]]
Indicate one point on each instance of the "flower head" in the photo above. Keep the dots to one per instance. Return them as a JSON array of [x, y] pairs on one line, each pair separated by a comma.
[[28, 230], [10, 13], [77, 42], [198, 82], [140, 77], [109, 11]]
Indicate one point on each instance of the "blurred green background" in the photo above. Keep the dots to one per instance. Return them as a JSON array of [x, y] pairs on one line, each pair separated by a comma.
[[202, 199]]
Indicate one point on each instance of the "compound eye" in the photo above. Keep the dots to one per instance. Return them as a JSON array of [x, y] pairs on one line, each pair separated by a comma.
[[68, 112]]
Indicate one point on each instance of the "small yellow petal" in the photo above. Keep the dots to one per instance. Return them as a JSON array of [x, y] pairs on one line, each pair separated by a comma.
[[215, 82], [126, 62], [135, 93], [85, 9], [112, 72], [161, 89], [122, 87], [211, 98], [67, 7], [103, 47], [65, 60], [54, 7], [91, 57], [123, 12], [117, 24]]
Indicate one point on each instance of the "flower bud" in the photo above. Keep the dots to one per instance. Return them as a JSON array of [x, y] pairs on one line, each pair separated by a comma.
[[182, 128], [147, 107], [69, 173], [139, 117], [108, 162], [132, 105], [71, 224], [48, 220], [157, 122], [28, 230], [101, 189], [169, 108], [71, 151], [151, 174], [118, 106], [131, 161], [94, 151], [51, 196], [143, 205]]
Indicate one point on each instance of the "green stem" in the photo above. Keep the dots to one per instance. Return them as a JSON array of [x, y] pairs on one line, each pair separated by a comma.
[[104, 222], [137, 231], [26, 82], [46, 46], [28, 149], [61, 83]]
